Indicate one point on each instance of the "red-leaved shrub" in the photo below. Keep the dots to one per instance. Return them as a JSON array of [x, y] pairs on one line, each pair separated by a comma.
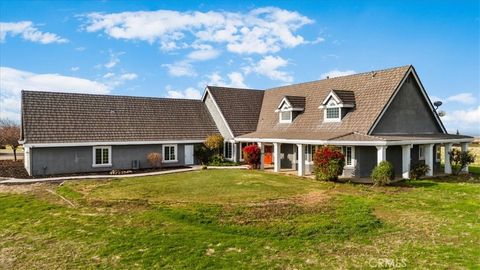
[[251, 155], [328, 163]]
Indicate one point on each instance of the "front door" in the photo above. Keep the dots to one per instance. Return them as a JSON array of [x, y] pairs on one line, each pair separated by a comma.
[[188, 154]]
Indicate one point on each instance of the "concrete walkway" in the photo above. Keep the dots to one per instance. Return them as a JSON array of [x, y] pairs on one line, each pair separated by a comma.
[[100, 176]]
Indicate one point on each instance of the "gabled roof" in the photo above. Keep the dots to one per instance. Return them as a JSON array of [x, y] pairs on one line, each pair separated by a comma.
[[371, 92], [296, 101], [49, 117], [240, 107]]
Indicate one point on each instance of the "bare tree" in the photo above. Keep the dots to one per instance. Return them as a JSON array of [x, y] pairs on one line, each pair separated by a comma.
[[10, 134]]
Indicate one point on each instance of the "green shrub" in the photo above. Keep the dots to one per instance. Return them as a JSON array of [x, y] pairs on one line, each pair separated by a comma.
[[214, 143], [418, 170], [328, 163], [383, 173], [460, 159], [202, 154]]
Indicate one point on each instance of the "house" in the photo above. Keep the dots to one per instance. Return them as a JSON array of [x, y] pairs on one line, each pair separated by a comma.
[[372, 116]]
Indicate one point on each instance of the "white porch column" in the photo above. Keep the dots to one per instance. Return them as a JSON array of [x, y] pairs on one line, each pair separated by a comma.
[[234, 152], [428, 148], [448, 166], [464, 146], [262, 154], [301, 160], [381, 153], [406, 160], [277, 155]]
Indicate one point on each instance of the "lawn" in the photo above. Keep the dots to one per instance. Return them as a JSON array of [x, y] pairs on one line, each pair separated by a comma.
[[240, 219]]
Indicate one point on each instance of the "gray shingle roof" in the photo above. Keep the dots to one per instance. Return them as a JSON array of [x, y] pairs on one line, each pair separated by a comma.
[[240, 107], [296, 101], [347, 97], [49, 117]]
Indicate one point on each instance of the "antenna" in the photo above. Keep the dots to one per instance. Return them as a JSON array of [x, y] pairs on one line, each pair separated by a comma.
[[437, 104]]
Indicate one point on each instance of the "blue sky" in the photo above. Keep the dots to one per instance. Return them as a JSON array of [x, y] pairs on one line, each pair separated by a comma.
[[175, 48]]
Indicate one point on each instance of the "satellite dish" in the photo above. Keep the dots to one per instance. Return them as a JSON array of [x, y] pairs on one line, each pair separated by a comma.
[[437, 104], [442, 113]]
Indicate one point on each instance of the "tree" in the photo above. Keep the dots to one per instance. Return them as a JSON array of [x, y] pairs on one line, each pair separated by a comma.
[[460, 159], [214, 142], [155, 160], [9, 135]]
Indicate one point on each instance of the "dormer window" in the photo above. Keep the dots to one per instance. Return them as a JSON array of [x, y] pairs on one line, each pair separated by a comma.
[[289, 108], [337, 104]]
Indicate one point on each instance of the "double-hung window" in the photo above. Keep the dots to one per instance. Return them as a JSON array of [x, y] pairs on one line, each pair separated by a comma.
[[332, 112], [285, 116], [170, 153], [348, 153], [102, 156], [228, 150]]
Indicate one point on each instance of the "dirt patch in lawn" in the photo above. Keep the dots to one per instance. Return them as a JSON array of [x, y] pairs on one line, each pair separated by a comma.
[[11, 168]]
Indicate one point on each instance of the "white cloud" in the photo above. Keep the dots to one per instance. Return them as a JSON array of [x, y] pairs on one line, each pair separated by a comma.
[[28, 31], [203, 54], [114, 59], [14, 80], [337, 73], [235, 79], [466, 121], [181, 68], [74, 69], [113, 80], [189, 93], [269, 66], [464, 98], [262, 30]]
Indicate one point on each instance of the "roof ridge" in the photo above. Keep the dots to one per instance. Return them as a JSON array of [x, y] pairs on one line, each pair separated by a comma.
[[334, 78], [108, 95], [234, 88]]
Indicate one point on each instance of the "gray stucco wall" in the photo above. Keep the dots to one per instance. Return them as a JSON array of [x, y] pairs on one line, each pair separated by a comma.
[[217, 118], [408, 113], [59, 160]]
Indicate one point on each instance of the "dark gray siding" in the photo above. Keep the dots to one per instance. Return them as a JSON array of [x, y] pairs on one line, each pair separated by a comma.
[[366, 160], [60, 160], [408, 113], [394, 156]]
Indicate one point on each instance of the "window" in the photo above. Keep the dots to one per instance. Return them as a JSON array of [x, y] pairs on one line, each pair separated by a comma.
[[421, 152], [102, 156], [228, 150], [348, 152], [310, 152], [285, 117], [438, 152], [170, 153], [332, 112]]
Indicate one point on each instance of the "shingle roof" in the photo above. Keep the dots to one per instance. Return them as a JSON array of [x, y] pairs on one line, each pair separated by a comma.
[[296, 101], [240, 107], [371, 91], [49, 117], [347, 97]]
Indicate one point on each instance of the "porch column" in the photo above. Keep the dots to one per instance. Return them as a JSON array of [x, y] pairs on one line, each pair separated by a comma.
[[301, 160], [406, 160], [262, 155], [464, 146], [448, 166], [429, 158], [277, 156], [234, 152], [381, 153]]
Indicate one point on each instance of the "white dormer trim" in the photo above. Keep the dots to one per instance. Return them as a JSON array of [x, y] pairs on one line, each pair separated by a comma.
[[284, 100], [285, 106], [332, 105], [331, 95]]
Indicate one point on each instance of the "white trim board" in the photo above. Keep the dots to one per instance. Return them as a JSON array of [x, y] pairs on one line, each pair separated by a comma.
[[39, 145], [411, 70]]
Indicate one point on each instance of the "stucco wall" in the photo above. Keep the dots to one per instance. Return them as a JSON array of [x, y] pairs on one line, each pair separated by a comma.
[[217, 118], [408, 113], [58, 160]]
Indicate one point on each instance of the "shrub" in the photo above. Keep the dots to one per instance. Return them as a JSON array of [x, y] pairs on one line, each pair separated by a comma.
[[383, 173], [460, 159], [214, 142], [154, 159], [202, 154], [251, 155], [418, 170], [328, 163], [216, 160]]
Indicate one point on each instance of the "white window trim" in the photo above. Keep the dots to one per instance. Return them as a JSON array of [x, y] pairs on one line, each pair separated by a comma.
[[421, 152], [225, 150], [332, 104], [175, 151], [285, 121], [353, 157], [94, 150]]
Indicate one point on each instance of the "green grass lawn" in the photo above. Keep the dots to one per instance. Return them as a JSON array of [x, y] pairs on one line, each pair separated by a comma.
[[239, 219]]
